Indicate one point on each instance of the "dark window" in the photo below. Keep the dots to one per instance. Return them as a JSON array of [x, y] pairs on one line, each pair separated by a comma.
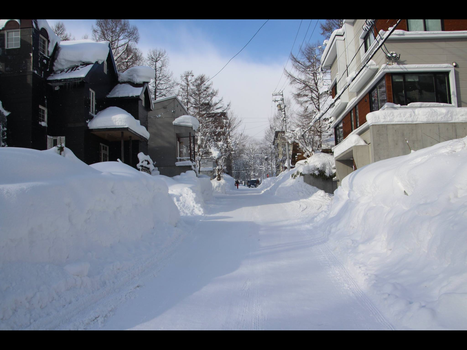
[[369, 39], [339, 133], [420, 87], [378, 96]]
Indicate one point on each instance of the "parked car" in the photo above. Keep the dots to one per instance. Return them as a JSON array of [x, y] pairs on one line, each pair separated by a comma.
[[253, 183]]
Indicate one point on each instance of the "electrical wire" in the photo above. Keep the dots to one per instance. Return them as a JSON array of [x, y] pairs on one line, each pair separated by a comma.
[[239, 51]]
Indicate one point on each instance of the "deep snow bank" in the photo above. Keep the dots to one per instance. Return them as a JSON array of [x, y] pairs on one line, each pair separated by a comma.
[[56, 209], [227, 183], [70, 233], [400, 226], [189, 192]]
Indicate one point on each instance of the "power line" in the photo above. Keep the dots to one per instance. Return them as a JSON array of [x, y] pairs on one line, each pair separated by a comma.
[[239, 51], [380, 44], [288, 58]]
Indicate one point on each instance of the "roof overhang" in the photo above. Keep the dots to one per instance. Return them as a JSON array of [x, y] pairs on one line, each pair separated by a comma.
[[117, 134]]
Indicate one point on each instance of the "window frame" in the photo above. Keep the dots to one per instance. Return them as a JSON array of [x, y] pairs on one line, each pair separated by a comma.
[[435, 76], [104, 151], [92, 102], [376, 88], [43, 45], [42, 115], [16, 39], [424, 22]]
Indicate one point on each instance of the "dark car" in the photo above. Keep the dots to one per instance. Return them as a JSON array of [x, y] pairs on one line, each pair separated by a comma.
[[253, 183]]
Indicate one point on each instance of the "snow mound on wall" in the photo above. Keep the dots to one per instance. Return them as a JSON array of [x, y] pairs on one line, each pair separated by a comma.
[[318, 162], [189, 192], [400, 226]]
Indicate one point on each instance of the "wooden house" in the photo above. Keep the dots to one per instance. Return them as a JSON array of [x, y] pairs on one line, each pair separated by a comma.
[[54, 90]]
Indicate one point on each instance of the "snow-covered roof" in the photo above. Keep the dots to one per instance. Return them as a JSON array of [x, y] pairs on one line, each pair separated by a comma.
[[78, 52], [187, 120], [126, 90], [348, 143], [137, 75], [75, 72], [116, 118]]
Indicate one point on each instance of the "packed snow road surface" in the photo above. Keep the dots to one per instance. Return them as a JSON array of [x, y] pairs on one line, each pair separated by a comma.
[[250, 263]]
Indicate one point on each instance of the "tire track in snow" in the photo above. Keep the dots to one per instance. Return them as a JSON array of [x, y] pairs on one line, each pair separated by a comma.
[[342, 275]]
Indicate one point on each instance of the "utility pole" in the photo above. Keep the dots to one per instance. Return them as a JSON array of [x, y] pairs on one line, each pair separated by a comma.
[[279, 99]]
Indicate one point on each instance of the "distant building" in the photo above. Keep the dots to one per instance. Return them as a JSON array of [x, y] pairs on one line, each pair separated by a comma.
[[171, 144]]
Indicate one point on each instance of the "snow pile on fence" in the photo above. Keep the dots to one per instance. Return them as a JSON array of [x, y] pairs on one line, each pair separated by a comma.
[[318, 163], [189, 192], [400, 226], [68, 230]]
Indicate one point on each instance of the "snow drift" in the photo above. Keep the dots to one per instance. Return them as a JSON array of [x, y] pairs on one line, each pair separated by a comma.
[[56, 209], [189, 192], [226, 183], [69, 231], [399, 225]]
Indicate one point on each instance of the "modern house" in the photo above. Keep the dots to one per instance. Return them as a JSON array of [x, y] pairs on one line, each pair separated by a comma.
[[397, 85], [70, 93], [172, 142]]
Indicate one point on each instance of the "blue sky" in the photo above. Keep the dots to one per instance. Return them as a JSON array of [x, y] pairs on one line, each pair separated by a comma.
[[205, 47]]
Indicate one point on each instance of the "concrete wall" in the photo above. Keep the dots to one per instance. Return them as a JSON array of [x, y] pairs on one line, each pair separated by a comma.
[[390, 140], [328, 186]]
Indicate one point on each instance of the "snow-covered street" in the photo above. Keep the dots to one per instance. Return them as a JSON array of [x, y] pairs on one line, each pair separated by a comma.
[[104, 246], [250, 263]]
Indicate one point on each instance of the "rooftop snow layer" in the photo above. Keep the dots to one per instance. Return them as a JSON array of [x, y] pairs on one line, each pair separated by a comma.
[[115, 117], [137, 75], [77, 52], [187, 120]]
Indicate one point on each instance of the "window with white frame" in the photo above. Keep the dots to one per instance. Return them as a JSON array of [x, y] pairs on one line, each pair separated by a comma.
[[43, 45], [104, 153], [92, 102], [13, 39], [369, 39], [421, 87], [42, 115], [53, 141]]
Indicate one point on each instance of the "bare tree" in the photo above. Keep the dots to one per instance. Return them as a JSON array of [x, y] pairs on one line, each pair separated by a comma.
[[163, 84], [184, 89], [310, 93], [122, 38], [60, 30], [330, 25]]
